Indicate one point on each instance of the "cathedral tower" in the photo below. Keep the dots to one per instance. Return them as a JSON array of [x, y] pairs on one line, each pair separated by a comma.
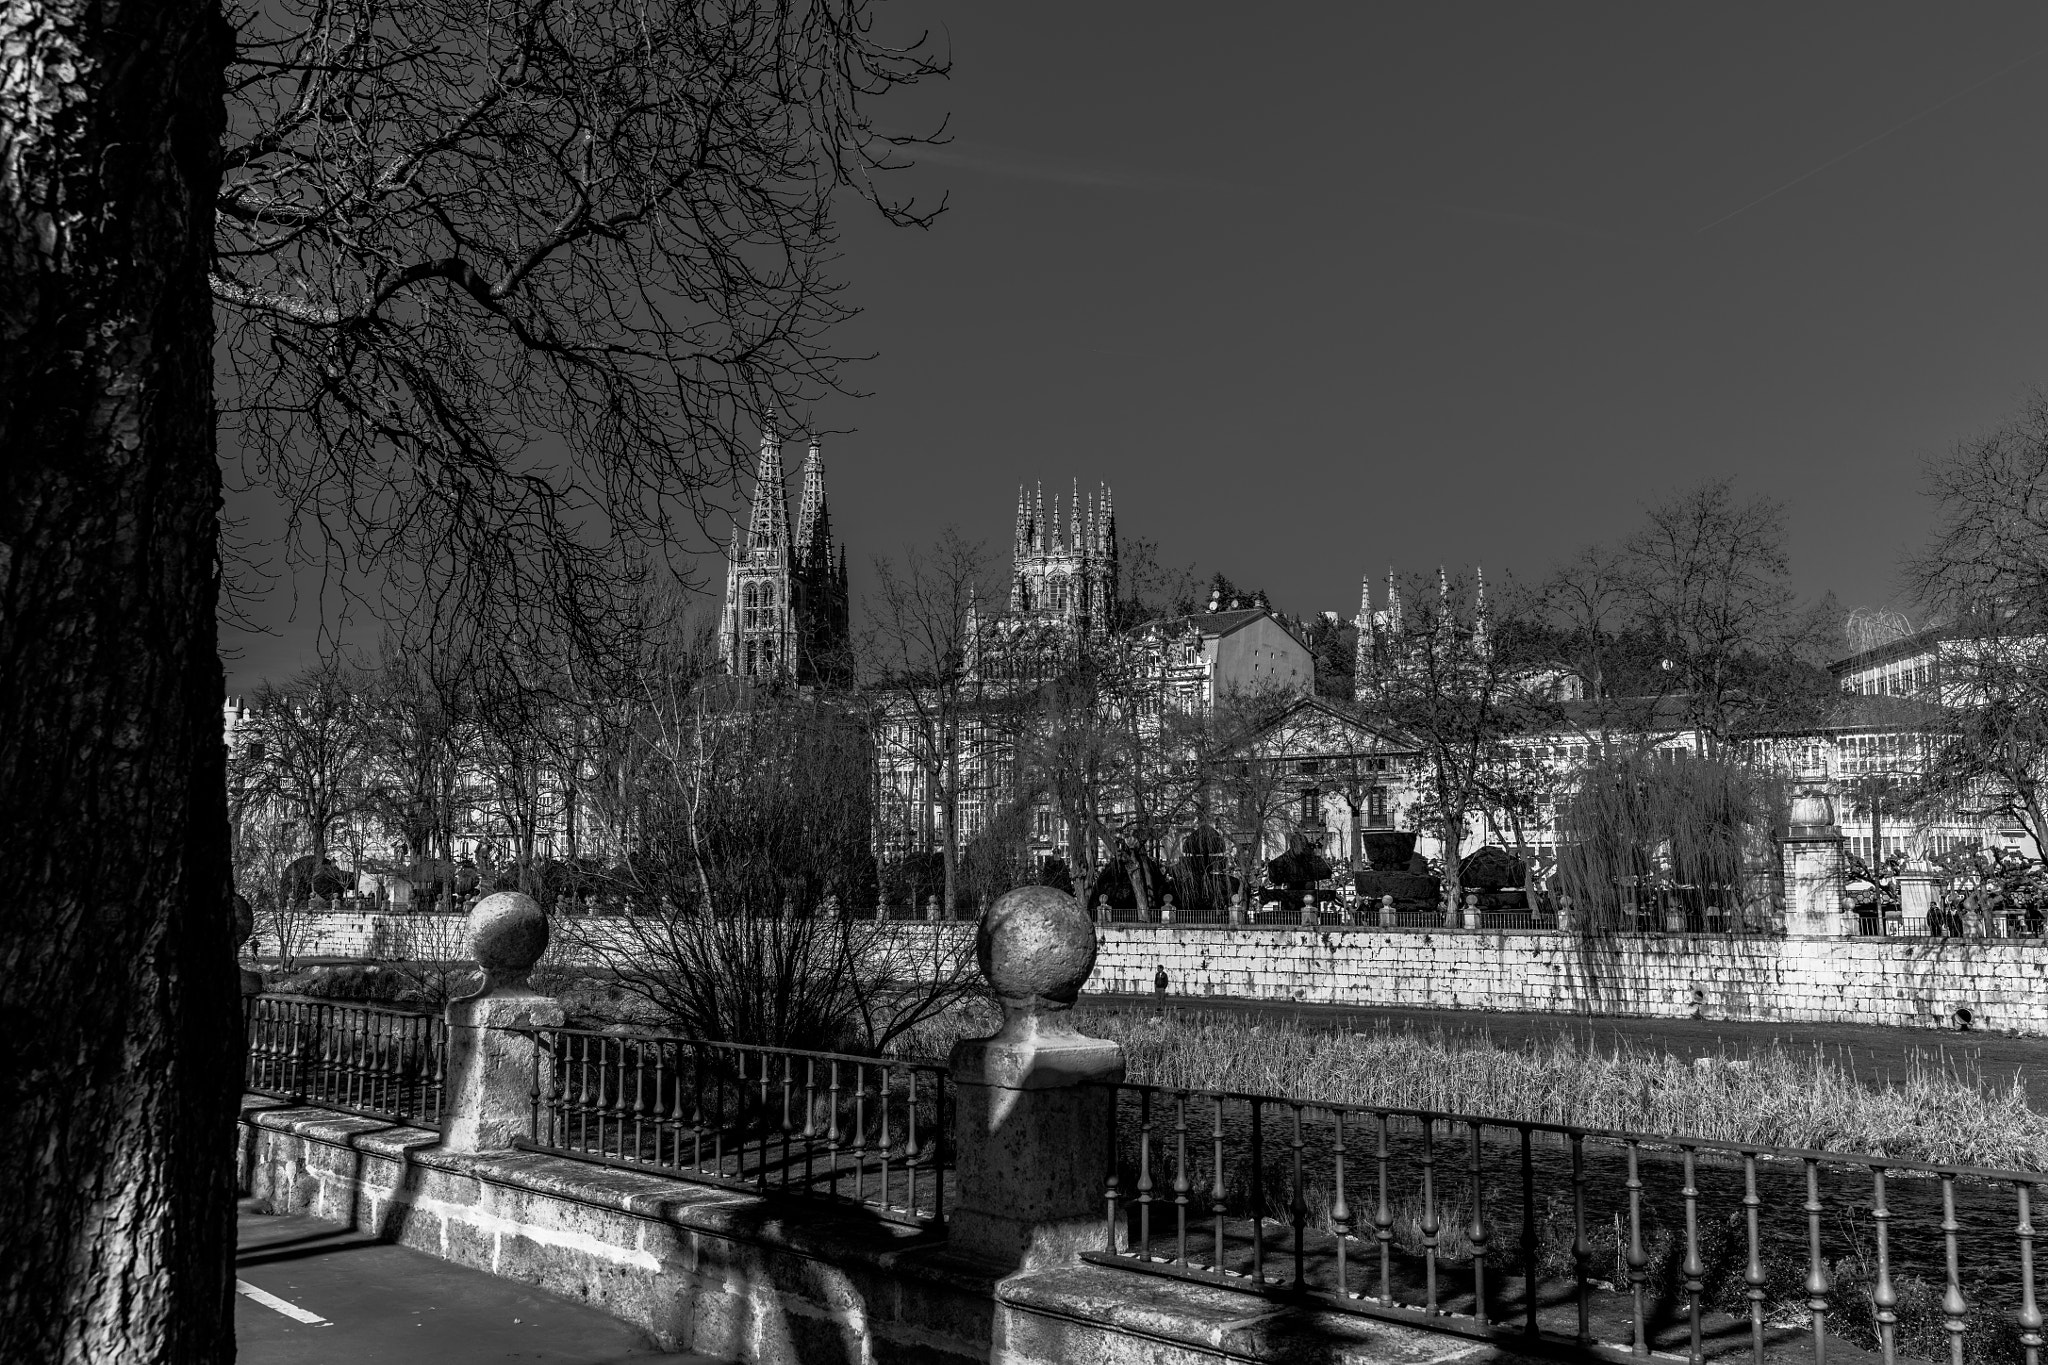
[[1066, 576], [785, 597]]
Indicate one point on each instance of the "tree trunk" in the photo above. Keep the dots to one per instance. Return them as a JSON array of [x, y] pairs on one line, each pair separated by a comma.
[[122, 1013]]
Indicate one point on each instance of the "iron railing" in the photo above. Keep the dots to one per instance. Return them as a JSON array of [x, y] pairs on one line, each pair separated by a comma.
[[1500, 1229], [870, 1131], [361, 1059]]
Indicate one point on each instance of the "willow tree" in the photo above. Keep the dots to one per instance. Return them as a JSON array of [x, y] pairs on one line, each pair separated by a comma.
[[500, 290]]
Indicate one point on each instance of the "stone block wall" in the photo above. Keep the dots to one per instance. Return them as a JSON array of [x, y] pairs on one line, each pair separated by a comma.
[[1901, 982]]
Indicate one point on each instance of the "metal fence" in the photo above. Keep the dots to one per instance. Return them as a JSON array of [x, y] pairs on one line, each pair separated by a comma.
[[870, 1131], [361, 1059], [1603, 1243]]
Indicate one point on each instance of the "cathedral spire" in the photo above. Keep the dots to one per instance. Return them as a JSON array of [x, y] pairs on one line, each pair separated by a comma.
[[769, 527], [1393, 603], [1074, 522], [814, 515], [1020, 543], [1038, 523]]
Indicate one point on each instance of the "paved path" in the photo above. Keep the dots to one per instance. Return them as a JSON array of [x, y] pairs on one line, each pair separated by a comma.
[[1873, 1053], [314, 1293]]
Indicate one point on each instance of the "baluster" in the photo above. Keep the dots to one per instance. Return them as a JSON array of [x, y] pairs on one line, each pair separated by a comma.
[[1817, 1283], [1145, 1174], [533, 1129], [1383, 1218], [639, 1102], [1429, 1223], [1954, 1308], [1477, 1232], [860, 1130], [938, 1146], [832, 1133], [621, 1110], [1217, 1192], [1884, 1298], [582, 1093], [1340, 1212], [680, 1119], [912, 1156], [1297, 1206], [1110, 1193], [1693, 1272], [1638, 1259], [1528, 1235], [1753, 1272], [1258, 1191], [2030, 1313], [1180, 1177], [699, 1119], [767, 1135], [1582, 1250], [886, 1075]]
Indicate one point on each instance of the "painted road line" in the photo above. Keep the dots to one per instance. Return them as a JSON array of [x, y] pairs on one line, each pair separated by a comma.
[[272, 1301]]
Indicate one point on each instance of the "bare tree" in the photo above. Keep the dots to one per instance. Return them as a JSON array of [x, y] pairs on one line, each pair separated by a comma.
[[501, 286], [116, 1201], [920, 656], [1707, 577], [1985, 573], [306, 746]]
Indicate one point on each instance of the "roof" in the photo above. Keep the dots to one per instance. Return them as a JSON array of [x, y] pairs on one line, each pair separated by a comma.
[[1217, 623], [1295, 711]]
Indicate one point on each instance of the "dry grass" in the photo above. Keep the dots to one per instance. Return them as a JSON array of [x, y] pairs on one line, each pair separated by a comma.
[[1780, 1096]]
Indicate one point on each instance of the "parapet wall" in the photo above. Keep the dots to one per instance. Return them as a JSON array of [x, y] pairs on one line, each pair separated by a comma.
[[1911, 983]]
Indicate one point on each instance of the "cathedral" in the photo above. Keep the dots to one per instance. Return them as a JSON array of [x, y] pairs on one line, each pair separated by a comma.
[[785, 615], [1065, 578]]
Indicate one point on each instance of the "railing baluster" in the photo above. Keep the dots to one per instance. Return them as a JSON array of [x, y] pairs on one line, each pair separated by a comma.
[[1693, 1272], [2030, 1312], [1340, 1212], [1429, 1223], [1145, 1174], [1258, 1192], [1297, 1206], [810, 1133], [1954, 1308], [1218, 1204], [1753, 1271], [767, 1129], [832, 1133], [860, 1132], [1582, 1250], [1817, 1283], [1383, 1218], [1884, 1299], [1180, 1178], [1110, 1191], [639, 1103], [788, 1081], [938, 1147], [887, 1071], [1477, 1232], [1528, 1235], [1638, 1259]]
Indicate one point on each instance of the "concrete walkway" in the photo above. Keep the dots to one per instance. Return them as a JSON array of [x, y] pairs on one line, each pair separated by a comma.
[[314, 1293]]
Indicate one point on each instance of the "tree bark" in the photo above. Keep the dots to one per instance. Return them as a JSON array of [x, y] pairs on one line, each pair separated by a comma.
[[121, 1011]]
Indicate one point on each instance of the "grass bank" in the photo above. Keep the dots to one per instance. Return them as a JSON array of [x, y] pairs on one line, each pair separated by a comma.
[[1780, 1096]]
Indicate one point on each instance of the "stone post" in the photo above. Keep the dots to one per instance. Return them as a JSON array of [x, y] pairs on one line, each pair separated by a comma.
[[1031, 1129], [1236, 908], [1810, 861], [491, 1066], [1919, 892]]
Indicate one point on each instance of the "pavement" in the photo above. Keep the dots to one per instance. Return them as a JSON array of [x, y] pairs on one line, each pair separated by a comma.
[[316, 1293]]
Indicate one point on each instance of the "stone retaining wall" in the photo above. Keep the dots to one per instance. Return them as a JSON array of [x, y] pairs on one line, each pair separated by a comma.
[[2003, 985]]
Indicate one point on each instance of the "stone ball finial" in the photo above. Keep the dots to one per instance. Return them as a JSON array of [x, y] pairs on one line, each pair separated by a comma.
[[508, 931], [1036, 946]]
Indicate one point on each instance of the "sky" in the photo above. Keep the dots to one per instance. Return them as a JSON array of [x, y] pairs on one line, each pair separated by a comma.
[[1320, 289]]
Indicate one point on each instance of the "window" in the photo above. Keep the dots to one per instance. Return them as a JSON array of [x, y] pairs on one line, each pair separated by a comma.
[[1376, 807], [1309, 767], [747, 615], [1311, 807]]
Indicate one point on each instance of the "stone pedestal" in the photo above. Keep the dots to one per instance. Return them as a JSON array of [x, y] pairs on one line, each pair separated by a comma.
[[1919, 893], [1032, 1132], [1810, 863], [492, 1065]]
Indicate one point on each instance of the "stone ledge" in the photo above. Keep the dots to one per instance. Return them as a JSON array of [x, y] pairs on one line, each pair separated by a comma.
[[818, 1230]]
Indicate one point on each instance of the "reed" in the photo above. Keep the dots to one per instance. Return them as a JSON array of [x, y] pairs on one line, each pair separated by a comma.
[[1784, 1095]]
